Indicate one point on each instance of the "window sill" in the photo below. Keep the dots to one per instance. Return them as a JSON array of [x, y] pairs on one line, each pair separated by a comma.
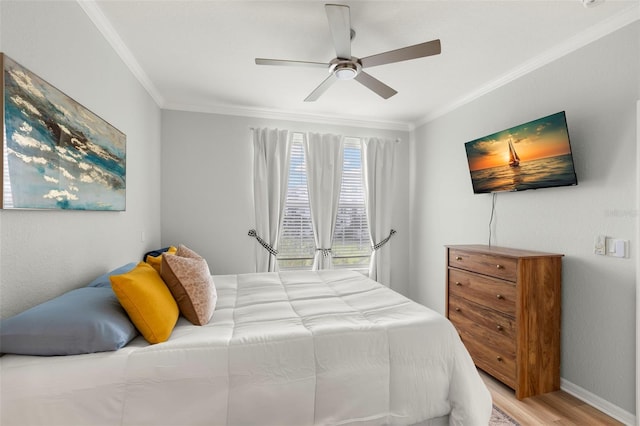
[[363, 271]]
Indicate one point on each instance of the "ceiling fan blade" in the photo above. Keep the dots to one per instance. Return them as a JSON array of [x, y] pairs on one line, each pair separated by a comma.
[[340, 25], [421, 50], [263, 61], [318, 91], [376, 85]]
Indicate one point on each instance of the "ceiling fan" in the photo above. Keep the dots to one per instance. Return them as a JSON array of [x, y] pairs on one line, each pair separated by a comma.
[[347, 67]]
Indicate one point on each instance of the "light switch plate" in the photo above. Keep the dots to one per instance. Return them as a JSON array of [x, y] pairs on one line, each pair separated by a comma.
[[618, 248]]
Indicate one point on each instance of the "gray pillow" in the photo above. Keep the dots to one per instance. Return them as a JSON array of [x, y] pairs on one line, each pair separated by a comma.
[[84, 320], [103, 280]]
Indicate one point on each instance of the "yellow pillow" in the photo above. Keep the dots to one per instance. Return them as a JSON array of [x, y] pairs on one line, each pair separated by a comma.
[[148, 301], [156, 261]]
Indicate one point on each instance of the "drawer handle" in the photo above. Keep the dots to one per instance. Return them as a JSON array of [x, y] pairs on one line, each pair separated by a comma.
[[500, 328], [458, 258], [499, 266], [499, 358], [457, 309], [458, 283], [499, 296]]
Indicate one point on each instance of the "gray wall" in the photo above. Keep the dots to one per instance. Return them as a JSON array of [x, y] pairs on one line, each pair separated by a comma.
[[45, 253], [207, 198], [205, 175], [598, 87]]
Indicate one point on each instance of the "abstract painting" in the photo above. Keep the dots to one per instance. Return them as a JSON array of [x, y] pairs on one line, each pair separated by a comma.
[[56, 153]]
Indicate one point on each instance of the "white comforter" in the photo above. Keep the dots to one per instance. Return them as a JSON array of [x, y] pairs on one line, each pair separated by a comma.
[[294, 348]]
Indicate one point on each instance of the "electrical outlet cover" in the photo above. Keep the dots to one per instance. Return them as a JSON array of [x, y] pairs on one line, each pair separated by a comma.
[[600, 245]]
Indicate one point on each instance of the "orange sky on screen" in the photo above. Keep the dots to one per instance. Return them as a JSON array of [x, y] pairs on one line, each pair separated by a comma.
[[497, 152]]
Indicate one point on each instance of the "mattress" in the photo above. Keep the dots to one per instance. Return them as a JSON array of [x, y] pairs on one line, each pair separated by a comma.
[[289, 348]]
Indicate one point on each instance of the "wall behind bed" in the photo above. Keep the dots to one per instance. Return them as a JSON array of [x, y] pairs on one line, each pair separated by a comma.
[[598, 86], [45, 253], [207, 181]]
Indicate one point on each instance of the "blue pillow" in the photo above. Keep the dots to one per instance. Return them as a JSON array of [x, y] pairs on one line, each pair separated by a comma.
[[103, 280], [84, 320], [155, 253]]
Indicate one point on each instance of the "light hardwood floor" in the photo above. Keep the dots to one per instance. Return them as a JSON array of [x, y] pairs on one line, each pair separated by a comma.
[[554, 408]]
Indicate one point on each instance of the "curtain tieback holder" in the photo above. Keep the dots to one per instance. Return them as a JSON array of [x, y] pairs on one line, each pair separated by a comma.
[[325, 252], [383, 242], [266, 245]]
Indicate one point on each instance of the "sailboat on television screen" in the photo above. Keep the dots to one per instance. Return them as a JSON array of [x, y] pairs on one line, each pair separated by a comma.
[[546, 161], [514, 160]]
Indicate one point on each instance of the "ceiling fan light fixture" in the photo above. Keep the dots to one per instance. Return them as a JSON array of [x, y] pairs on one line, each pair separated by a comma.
[[591, 3], [345, 73], [345, 70], [347, 67]]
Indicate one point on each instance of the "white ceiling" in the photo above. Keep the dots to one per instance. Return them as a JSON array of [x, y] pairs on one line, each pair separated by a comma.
[[199, 55]]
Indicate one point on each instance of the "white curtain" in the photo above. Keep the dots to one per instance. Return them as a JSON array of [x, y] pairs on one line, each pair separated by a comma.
[[377, 170], [324, 177], [271, 149]]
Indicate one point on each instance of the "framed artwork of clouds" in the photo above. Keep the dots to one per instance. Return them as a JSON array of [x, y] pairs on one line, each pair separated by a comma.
[[56, 154]]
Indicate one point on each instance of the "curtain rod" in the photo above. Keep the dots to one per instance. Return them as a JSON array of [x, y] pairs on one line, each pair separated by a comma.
[[397, 140]]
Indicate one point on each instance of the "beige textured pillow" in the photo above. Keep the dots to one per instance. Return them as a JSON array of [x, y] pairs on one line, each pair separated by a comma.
[[185, 251], [191, 285]]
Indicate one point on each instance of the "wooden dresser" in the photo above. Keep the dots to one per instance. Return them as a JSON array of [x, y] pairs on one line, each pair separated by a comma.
[[505, 304]]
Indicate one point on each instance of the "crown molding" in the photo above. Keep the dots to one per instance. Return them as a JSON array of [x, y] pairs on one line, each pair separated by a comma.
[[616, 22], [292, 116], [602, 29], [103, 25]]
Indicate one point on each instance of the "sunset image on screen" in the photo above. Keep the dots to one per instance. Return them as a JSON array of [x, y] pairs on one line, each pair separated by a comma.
[[546, 137], [531, 155]]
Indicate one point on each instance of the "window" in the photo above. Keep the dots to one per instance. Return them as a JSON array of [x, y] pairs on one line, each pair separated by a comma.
[[296, 246], [7, 197], [351, 245]]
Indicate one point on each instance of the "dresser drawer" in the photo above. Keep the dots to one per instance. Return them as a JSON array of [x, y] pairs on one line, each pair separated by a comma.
[[497, 361], [505, 304], [486, 264], [496, 294], [492, 325]]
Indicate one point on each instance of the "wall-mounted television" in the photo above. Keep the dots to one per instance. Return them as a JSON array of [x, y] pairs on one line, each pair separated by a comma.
[[532, 155]]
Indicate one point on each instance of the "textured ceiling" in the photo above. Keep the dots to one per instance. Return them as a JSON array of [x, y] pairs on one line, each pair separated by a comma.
[[199, 55]]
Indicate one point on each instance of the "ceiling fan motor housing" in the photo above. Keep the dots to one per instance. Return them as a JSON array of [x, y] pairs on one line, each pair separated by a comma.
[[345, 69]]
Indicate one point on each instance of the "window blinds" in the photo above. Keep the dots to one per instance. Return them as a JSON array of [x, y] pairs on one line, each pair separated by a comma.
[[351, 245], [297, 246]]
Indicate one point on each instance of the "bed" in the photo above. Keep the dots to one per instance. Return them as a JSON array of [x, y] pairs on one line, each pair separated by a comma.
[[289, 348]]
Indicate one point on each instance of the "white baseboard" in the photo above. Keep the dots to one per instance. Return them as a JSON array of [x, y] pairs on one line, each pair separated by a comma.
[[595, 401]]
